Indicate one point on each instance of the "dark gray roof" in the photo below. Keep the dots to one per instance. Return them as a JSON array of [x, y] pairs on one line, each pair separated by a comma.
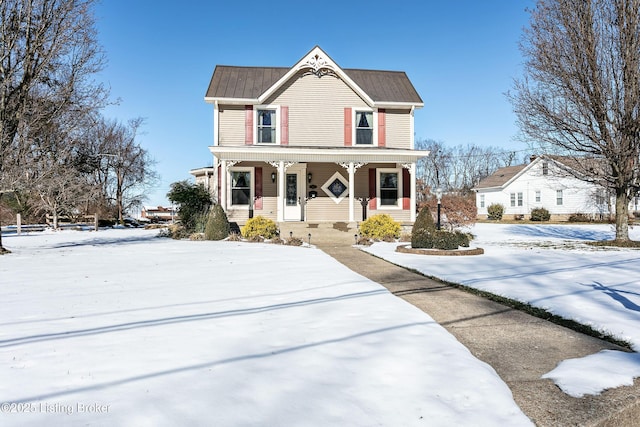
[[251, 82], [500, 177]]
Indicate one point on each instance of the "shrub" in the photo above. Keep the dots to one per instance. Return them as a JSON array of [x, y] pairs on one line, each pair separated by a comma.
[[424, 220], [540, 214], [293, 241], [495, 211], [234, 237], [439, 239], [259, 227], [380, 226], [193, 200], [580, 217], [217, 227]]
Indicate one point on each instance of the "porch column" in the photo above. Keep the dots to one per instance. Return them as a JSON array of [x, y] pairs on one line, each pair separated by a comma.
[[352, 171], [223, 185], [280, 198], [412, 174]]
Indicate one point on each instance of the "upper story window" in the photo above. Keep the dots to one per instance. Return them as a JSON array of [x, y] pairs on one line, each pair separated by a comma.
[[545, 168], [364, 127], [266, 126]]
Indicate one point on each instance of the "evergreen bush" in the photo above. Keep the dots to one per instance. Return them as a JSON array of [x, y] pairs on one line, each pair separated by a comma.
[[495, 211], [217, 227], [259, 227], [425, 235], [540, 214], [381, 227]]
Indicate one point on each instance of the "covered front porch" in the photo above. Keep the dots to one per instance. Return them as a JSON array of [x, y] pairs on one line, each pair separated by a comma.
[[289, 184]]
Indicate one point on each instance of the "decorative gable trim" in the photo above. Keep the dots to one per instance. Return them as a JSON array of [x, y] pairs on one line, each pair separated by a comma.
[[318, 63]]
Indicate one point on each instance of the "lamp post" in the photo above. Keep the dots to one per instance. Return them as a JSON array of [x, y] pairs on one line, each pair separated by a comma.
[[439, 197]]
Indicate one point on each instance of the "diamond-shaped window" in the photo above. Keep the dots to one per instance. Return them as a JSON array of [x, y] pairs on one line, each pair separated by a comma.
[[336, 187]]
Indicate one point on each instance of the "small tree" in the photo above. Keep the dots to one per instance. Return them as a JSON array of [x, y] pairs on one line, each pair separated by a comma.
[[193, 201], [217, 227]]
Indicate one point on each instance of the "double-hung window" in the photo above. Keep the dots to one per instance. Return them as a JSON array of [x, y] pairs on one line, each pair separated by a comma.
[[520, 199], [389, 188], [513, 199], [241, 186], [266, 126], [364, 127], [559, 197]]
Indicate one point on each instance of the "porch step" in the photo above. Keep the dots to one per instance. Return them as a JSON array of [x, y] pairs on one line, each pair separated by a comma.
[[321, 232]]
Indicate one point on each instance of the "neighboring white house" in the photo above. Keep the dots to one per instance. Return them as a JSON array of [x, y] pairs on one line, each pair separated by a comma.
[[546, 182]]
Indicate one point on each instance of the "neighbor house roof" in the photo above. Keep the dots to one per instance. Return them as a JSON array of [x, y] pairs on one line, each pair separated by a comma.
[[249, 83], [500, 177]]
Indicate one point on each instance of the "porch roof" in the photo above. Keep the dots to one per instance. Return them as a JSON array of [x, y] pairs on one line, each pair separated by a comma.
[[317, 154]]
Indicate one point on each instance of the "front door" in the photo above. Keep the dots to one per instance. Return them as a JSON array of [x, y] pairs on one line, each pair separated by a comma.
[[294, 195]]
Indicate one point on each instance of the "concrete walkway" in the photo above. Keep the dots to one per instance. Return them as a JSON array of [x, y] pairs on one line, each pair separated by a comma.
[[521, 348]]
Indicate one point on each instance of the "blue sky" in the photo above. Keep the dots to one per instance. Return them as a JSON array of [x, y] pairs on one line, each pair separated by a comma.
[[460, 55]]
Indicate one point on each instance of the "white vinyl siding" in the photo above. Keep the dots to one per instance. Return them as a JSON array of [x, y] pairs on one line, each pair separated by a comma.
[[316, 109], [398, 128], [232, 125]]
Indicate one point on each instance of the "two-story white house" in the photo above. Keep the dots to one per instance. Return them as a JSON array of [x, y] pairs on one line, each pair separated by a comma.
[[546, 182], [312, 142]]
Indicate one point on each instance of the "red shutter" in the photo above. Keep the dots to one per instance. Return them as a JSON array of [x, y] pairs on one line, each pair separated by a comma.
[[382, 128], [257, 205], [347, 127], [284, 125], [372, 189], [248, 124], [406, 189]]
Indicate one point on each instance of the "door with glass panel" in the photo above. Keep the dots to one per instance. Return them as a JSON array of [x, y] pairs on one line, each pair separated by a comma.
[[294, 195]]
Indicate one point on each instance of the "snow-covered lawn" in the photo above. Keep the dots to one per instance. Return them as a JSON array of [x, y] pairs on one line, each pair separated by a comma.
[[549, 266], [119, 327]]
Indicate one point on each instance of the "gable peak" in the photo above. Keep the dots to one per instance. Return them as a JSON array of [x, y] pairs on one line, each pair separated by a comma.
[[318, 63]]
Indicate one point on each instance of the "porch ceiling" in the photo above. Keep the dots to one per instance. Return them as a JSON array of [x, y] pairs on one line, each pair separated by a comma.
[[316, 154]]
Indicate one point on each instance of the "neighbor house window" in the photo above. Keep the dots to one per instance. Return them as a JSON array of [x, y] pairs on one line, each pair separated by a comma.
[[538, 196], [266, 126], [241, 187], [559, 197], [520, 199], [364, 127], [545, 168], [482, 200], [389, 187], [513, 199]]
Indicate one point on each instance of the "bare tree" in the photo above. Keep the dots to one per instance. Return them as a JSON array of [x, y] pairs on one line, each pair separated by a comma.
[[48, 51], [457, 168], [128, 168], [580, 93]]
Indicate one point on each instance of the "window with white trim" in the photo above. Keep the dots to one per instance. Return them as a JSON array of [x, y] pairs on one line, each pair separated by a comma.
[[389, 186], [559, 197], [482, 200], [513, 199], [241, 186], [520, 199], [538, 197], [364, 127], [267, 122]]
